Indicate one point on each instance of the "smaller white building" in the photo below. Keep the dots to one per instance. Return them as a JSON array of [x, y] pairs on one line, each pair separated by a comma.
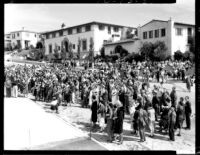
[[22, 38], [131, 45]]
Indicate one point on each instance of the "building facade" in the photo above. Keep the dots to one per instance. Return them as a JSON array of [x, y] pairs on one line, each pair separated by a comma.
[[175, 35], [23, 38], [131, 45], [81, 36]]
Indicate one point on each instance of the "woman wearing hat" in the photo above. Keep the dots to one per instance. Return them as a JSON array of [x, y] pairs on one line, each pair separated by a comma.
[[118, 121]]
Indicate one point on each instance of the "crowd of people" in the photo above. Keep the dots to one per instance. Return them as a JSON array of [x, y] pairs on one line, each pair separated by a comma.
[[111, 91]]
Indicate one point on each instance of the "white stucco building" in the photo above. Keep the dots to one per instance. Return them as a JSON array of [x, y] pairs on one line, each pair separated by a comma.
[[22, 38], [174, 34], [82, 34], [131, 45]]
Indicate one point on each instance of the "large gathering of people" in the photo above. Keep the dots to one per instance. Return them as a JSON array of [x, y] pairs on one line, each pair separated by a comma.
[[112, 91]]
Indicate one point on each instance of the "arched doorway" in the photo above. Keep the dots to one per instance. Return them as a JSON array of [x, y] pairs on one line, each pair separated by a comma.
[[39, 45], [65, 44]]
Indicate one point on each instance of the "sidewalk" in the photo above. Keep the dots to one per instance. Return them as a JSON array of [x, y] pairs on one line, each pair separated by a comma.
[[27, 126]]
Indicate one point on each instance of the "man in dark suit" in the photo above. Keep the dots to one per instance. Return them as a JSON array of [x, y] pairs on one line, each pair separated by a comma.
[[188, 111]]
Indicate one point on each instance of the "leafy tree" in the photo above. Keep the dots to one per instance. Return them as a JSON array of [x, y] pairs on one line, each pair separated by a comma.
[[178, 55], [146, 50], [188, 56], [160, 51]]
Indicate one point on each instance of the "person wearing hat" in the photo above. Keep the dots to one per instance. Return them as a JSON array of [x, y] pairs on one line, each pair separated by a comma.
[[188, 111], [118, 122], [173, 96], [180, 115], [155, 104]]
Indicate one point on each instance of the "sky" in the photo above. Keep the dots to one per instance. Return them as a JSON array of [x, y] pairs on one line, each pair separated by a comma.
[[46, 17]]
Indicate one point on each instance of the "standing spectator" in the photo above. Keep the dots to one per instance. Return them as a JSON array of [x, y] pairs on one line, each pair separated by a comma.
[[151, 119], [142, 115], [155, 104], [188, 111], [101, 115], [109, 116], [171, 122], [94, 110], [118, 121], [180, 115], [188, 83], [173, 96]]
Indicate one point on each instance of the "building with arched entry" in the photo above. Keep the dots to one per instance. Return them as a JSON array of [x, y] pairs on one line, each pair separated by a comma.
[[81, 36]]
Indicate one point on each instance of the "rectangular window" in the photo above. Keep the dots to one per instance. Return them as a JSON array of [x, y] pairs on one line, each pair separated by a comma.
[[189, 31], [163, 32], [150, 34], [70, 31], [156, 33], [136, 32], [116, 29], [13, 36], [179, 31], [78, 30], [18, 34], [109, 30], [53, 35], [58, 48], [50, 48], [35, 35], [88, 28], [101, 27], [84, 45], [144, 35], [60, 33], [74, 46], [47, 36]]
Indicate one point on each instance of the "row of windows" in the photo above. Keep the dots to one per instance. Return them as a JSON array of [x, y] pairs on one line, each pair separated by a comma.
[[84, 46], [17, 34], [102, 27], [179, 31], [149, 34], [69, 31]]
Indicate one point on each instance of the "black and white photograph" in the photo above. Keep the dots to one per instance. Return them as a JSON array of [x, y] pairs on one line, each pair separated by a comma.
[[108, 77]]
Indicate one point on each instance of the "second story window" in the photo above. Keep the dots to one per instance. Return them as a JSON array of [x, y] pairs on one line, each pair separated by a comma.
[[53, 35], [35, 35], [70, 31], [144, 35], [109, 30], [18, 34], [60, 33], [78, 30], [179, 31], [88, 28], [116, 29], [163, 32], [13, 36], [150, 34], [74, 46], [189, 31], [156, 33], [101, 27], [47, 36]]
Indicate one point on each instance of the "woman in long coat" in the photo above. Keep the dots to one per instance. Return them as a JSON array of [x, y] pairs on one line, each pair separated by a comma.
[[118, 121], [94, 107]]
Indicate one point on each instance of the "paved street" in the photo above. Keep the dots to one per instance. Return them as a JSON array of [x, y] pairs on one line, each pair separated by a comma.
[[27, 126]]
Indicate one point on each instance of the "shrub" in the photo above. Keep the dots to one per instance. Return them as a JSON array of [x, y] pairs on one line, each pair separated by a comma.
[[178, 55]]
